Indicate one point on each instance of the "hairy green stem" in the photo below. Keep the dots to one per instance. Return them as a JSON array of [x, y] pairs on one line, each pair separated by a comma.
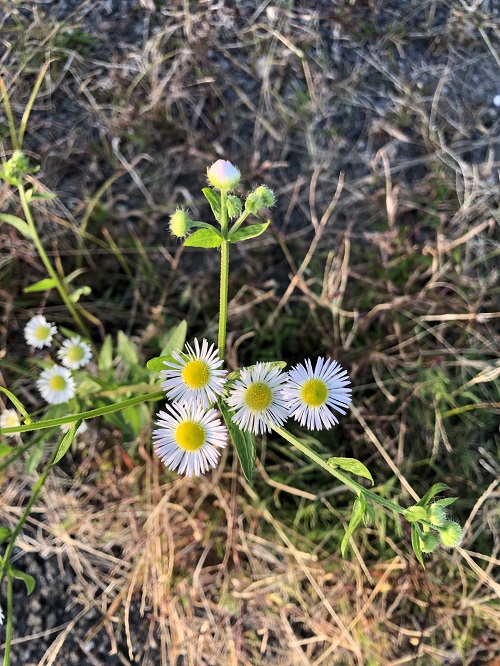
[[8, 632], [353, 485], [240, 221], [224, 275]]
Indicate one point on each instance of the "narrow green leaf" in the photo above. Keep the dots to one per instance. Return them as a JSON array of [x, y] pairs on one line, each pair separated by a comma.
[[28, 580], [17, 223], [214, 200], [204, 238], [157, 364], [105, 361], [65, 442], [415, 542], [174, 339], [5, 533], [446, 502], [244, 443], [252, 231], [356, 517], [436, 488], [415, 513], [5, 449], [351, 465], [127, 350], [42, 285], [43, 195]]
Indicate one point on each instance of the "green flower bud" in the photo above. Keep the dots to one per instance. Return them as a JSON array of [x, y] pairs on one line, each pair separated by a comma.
[[233, 206], [267, 196], [223, 175], [450, 534], [414, 513], [253, 203], [180, 223], [436, 515], [428, 542]]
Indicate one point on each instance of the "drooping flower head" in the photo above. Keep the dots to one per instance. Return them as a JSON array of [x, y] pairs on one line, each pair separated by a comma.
[[188, 437], [256, 398], [9, 419], [194, 377], [223, 175], [38, 332], [56, 385], [74, 353], [312, 396]]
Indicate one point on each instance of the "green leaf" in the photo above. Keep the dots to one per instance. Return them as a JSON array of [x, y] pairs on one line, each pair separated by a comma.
[[43, 195], [5, 533], [127, 350], [415, 513], [351, 465], [446, 502], [28, 580], [5, 449], [204, 238], [65, 442], [17, 223], [105, 361], [415, 542], [251, 231], [174, 339], [157, 364], [235, 374], [214, 200], [42, 285], [368, 512], [357, 515], [81, 291], [244, 443], [436, 488]]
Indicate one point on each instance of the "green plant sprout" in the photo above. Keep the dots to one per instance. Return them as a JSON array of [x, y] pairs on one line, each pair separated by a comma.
[[208, 407]]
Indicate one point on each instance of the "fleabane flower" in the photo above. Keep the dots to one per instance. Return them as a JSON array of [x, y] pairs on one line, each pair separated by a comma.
[[256, 398], [195, 376], [223, 175], [74, 353], [9, 419], [312, 396], [188, 437], [38, 332], [56, 385]]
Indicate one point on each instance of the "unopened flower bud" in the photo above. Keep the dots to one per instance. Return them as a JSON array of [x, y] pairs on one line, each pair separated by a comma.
[[223, 175], [253, 203], [450, 534], [233, 206], [267, 196], [180, 223], [436, 515], [414, 513], [428, 542]]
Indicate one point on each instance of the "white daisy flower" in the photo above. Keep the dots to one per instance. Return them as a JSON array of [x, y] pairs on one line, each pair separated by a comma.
[[187, 437], [256, 398], [312, 395], [38, 332], [56, 385], [74, 353], [65, 427], [9, 419], [195, 378]]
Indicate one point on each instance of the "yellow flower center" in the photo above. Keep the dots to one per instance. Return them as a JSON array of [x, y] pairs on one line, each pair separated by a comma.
[[195, 374], [258, 397], [57, 383], [42, 332], [75, 353], [314, 392], [190, 435], [12, 421]]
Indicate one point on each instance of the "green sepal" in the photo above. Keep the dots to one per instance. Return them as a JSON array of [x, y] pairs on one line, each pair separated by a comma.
[[214, 200], [435, 490], [65, 442], [204, 238], [351, 465], [251, 231], [28, 580], [157, 364], [244, 442], [17, 223], [356, 517], [416, 535]]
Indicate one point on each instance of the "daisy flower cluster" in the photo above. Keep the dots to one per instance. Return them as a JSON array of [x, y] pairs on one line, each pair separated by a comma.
[[263, 397], [56, 384]]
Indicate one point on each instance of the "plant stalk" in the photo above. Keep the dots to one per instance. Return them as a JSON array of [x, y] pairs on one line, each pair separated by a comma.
[[224, 275]]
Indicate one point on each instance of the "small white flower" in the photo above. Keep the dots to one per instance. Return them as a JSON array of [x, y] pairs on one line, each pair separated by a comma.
[[195, 377], [38, 332], [56, 385], [223, 175], [74, 353], [312, 395], [496, 100], [187, 437], [256, 398], [65, 427], [9, 419]]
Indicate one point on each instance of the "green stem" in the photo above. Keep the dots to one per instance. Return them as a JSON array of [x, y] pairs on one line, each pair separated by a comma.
[[8, 632], [224, 275], [240, 221], [48, 266], [353, 485]]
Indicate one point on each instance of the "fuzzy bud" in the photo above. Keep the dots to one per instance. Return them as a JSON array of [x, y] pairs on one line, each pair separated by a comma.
[[233, 206], [436, 515], [414, 513], [180, 223], [223, 175], [450, 534], [253, 203], [267, 196], [428, 542]]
